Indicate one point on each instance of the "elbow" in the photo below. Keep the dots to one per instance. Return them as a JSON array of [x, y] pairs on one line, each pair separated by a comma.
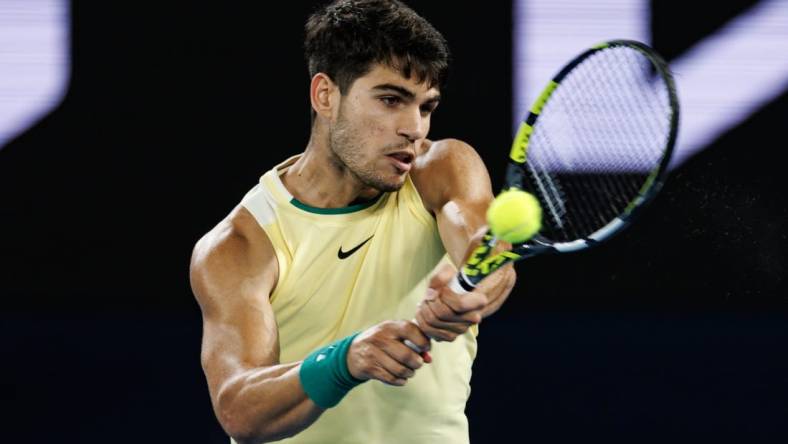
[[241, 429], [244, 433], [247, 440], [236, 421], [247, 424]]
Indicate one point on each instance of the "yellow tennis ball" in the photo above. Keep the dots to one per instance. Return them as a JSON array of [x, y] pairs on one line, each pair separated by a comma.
[[514, 216]]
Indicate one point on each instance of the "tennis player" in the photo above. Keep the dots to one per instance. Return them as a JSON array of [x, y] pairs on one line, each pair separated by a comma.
[[311, 285]]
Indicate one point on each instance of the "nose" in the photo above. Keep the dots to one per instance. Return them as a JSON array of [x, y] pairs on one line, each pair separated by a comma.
[[413, 125]]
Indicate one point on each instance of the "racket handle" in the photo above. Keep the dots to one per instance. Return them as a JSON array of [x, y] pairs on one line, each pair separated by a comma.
[[456, 286], [424, 353], [413, 346]]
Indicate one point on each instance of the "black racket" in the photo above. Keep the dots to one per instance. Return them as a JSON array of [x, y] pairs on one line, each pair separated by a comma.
[[594, 150]]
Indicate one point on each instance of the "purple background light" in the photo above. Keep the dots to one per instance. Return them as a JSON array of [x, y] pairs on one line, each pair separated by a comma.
[[34, 62]]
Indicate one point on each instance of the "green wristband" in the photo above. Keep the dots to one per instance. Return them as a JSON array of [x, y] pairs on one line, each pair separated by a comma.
[[324, 374]]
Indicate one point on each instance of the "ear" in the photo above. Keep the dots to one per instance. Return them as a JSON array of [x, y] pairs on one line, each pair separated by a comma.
[[324, 95]]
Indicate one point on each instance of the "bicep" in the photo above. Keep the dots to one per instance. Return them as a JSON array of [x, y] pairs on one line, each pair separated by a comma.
[[232, 277]]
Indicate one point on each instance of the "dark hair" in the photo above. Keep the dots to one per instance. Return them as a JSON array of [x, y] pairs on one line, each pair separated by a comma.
[[346, 37]]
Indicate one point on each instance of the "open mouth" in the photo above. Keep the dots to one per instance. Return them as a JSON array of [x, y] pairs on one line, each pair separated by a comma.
[[402, 160]]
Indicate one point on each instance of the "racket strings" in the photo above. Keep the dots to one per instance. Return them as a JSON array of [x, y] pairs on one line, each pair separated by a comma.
[[549, 191], [596, 142], [603, 185], [587, 211], [606, 193], [615, 191]]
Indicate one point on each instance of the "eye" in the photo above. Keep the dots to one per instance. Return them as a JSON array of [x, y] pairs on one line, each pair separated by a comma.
[[428, 109], [390, 100]]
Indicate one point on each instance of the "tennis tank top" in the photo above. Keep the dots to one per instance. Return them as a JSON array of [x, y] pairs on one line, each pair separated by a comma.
[[343, 270]]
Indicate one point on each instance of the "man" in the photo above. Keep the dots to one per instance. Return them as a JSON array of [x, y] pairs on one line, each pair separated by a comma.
[[310, 287]]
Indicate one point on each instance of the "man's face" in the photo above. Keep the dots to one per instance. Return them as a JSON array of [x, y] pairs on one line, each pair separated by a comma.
[[380, 125]]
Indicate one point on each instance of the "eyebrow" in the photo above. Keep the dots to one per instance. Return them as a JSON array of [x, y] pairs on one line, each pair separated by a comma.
[[408, 94]]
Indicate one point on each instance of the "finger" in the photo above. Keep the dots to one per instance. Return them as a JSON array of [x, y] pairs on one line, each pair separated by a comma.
[[385, 377], [425, 354], [464, 312], [391, 371], [464, 303], [398, 368], [412, 332], [455, 323], [404, 355], [438, 334], [431, 294]]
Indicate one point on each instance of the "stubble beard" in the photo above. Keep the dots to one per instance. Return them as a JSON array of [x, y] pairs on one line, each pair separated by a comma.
[[349, 154]]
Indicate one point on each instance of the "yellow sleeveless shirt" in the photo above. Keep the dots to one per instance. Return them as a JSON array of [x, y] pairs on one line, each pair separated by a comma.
[[327, 291]]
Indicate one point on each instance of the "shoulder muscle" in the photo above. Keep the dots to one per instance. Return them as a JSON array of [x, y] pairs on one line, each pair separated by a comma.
[[233, 271], [451, 170]]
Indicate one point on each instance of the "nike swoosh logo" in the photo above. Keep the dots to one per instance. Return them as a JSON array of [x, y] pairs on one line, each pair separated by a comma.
[[345, 254]]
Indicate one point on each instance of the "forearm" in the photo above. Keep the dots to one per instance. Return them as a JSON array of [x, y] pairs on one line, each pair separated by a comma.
[[497, 287], [265, 404]]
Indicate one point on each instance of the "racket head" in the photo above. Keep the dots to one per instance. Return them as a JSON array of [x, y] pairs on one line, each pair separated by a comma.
[[618, 93], [596, 144]]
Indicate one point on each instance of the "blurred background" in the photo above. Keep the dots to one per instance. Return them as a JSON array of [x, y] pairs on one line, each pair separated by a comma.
[[128, 130]]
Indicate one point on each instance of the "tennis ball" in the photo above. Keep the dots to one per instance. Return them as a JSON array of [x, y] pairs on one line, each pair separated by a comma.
[[514, 216]]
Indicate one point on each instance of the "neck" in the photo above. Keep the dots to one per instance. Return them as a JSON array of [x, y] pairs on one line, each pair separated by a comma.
[[320, 180]]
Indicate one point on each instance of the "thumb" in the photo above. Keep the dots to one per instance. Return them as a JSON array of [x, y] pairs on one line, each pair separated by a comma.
[[442, 276]]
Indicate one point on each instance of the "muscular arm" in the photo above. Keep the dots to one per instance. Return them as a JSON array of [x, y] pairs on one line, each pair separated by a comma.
[[455, 186], [254, 396]]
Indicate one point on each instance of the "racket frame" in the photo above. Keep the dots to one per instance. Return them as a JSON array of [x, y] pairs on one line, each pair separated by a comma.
[[481, 263]]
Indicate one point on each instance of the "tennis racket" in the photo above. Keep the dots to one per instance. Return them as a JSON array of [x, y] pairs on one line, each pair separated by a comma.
[[594, 149]]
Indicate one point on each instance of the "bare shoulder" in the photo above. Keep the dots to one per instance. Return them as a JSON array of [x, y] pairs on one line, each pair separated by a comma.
[[447, 170], [235, 253]]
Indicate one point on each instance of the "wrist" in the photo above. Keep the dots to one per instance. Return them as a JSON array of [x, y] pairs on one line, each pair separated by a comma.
[[325, 376]]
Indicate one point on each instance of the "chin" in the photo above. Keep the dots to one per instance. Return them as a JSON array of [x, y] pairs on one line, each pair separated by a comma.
[[390, 186], [384, 181]]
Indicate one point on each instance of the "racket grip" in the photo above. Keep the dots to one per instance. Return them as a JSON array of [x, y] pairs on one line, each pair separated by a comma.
[[424, 353], [460, 284], [413, 346], [456, 286]]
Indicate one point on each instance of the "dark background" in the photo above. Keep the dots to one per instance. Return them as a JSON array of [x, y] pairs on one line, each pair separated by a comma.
[[675, 330]]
